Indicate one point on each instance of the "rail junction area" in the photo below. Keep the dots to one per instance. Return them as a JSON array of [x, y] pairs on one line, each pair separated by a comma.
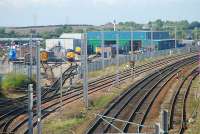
[[103, 86]]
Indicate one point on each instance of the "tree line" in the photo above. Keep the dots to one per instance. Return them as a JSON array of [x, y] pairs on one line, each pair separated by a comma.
[[184, 28]]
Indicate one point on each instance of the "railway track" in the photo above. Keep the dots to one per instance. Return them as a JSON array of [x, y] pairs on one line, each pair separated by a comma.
[[45, 90], [10, 114], [142, 95], [10, 103], [77, 93], [177, 111]]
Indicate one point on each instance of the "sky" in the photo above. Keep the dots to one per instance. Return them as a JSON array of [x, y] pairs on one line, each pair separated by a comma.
[[95, 12]]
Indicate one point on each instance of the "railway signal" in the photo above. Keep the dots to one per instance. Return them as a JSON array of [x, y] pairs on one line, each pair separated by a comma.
[[70, 56], [43, 56], [78, 50]]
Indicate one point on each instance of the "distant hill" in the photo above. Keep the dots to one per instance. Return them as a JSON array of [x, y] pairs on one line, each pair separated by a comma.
[[42, 29]]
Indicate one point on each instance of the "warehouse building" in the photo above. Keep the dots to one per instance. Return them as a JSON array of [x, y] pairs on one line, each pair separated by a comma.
[[66, 41]]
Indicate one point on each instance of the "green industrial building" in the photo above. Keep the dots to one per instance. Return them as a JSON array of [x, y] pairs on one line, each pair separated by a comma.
[[142, 40]]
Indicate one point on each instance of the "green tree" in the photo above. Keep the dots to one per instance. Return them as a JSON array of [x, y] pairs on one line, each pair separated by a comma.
[[194, 24]]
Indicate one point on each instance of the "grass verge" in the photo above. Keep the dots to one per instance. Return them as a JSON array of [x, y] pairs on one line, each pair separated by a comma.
[[193, 109], [75, 119]]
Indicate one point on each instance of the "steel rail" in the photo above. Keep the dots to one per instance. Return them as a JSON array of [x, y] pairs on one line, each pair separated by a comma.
[[107, 111]]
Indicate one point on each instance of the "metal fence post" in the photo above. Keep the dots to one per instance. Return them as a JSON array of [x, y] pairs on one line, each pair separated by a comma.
[[30, 108]]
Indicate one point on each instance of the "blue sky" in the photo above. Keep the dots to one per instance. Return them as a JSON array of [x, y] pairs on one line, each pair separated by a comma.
[[96, 12]]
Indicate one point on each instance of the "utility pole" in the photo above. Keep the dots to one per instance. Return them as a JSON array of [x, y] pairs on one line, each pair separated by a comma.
[[135, 66], [132, 52], [84, 66], [196, 34], [102, 48], [61, 81], [31, 56], [30, 108], [131, 44], [38, 91], [117, 58], [151, 41], [175, 29]]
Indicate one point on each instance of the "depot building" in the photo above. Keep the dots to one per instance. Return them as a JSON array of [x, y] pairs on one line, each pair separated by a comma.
[[141, 40]]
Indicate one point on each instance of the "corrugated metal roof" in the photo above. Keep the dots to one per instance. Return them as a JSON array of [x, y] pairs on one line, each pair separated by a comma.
[[71, 35], [21, 39]]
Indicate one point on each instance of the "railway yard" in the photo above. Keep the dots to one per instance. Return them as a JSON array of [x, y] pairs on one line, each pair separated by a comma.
[[99, 67], [133, 103]]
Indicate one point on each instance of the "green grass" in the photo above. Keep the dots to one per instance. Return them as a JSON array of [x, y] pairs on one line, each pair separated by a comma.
[[12, 81], [102, 102], [60, 126], [66, 126], [112, 68], [194, 126]]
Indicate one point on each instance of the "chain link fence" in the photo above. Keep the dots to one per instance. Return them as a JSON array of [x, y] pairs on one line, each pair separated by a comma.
[[123, 59], [97, 65]]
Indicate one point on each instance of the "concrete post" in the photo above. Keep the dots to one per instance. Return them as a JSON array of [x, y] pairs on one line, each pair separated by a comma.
[[38, 92], [30, 108], [84, 66], [157, 128]]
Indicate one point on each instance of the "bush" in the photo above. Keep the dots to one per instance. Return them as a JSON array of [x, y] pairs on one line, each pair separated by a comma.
[[12, 81]]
